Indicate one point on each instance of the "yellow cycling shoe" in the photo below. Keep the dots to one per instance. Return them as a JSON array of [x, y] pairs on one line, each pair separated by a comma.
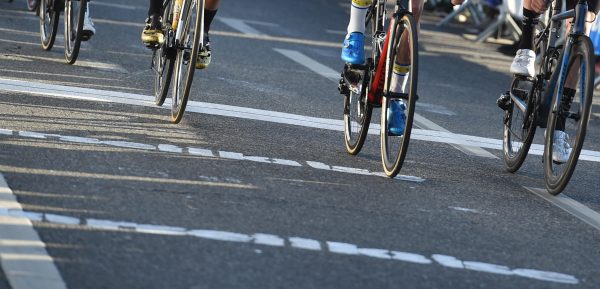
[[203, 59], [153, 34]]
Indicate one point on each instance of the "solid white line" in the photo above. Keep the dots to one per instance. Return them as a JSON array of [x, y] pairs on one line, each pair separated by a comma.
[[24, 259], [570, 206], [52, 90], [239, 25], [113, 5], [334, 75], [294, 242]]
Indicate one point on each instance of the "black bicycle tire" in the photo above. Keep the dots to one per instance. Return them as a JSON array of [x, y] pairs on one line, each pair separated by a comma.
[[354, 148], [48, 40], [555, 185], [72, 46], [32, 6], [161, 86], [392, 169], [177, 111], [513, 163]]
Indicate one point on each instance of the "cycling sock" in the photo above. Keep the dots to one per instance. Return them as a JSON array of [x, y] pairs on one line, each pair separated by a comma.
[[530, 19], [358, 14], [567, 98], [155, 7], [209, 15], [399, 78]]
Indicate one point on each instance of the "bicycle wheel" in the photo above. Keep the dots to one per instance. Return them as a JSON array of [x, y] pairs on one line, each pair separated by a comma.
[[32, 5], [48, 23], [74, 14], [394, 148], [192, 25], [162, 61], [570, 116], [357, 114], [519, 124]]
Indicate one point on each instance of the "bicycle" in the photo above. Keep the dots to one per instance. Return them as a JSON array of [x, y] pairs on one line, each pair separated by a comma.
[[49, 13], [176, 56], [528, 98], [367, 86]]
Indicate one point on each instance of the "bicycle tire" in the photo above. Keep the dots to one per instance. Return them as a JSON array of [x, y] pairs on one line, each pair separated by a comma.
[[393, 161], [582, 49], [354, 139], [520, 125], [32, 5], [74, 16], [49, 17], [356, 127], [163, 62], [182, 86]]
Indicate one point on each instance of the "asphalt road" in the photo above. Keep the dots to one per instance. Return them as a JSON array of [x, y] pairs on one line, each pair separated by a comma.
[[239, 195]]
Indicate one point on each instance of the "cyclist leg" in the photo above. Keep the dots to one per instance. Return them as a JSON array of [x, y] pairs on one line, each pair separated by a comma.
[[401, 74], [204, 55], [561, 146], [523, 63], [88, 25], [353, 50]]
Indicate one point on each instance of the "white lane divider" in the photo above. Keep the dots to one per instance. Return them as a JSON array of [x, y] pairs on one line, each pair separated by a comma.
[[570, 206], [301, 243], [88, 94], [242, 25], [334, 75], [204, 153], [23, 256]]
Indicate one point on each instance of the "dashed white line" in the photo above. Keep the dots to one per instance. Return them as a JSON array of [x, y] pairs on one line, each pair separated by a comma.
[[23, 256], [209, 153], [301, 243]]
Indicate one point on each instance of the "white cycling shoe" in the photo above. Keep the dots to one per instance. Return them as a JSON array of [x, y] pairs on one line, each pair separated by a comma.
[[88, 27], [524, 63], [561, 150]]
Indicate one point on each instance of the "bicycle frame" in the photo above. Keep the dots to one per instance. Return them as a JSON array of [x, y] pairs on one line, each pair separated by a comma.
[[552, 33], [376, 90]]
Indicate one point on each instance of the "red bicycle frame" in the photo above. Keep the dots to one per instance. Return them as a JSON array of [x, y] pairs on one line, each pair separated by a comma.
[[377, 87]]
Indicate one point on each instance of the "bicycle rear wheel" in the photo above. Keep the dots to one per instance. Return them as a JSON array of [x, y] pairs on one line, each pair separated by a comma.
[[570, 116], [394, 148], [192, 22], [357, 114], [48, 23], [519, 124], [163, 60], [74, 14], [32, 5]]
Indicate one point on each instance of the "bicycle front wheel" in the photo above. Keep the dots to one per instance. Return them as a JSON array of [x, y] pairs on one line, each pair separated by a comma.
[[74, 14], [569, 116], [188, 45], [48, 23], [394, 144]]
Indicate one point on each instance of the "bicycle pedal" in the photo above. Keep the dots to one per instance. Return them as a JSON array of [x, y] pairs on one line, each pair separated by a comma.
[[504, 101]]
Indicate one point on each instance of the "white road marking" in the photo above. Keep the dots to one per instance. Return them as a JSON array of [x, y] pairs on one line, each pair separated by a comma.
[[51, 90], [87, 94], [334, 75], [119, 6], [570, 206], [23, 256], [464, 209], [240, 25], [294, 242], [209, 153], [310, 63], [306, 244]]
